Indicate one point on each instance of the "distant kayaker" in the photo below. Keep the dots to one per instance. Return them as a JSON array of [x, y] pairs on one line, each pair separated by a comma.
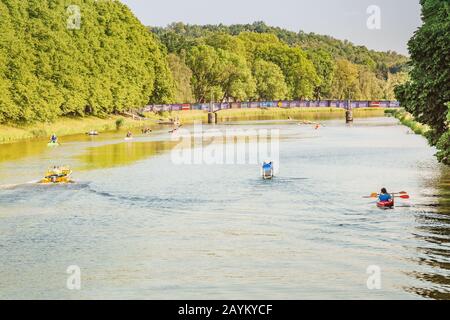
[[385, 196], [54, 138]]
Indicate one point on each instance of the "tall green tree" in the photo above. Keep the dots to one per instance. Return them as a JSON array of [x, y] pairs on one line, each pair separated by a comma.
[[182, 76], [299, 72], [207, 72], [325, 67], [237, 81], [271, 84], [80, 57], [345, 82], [428, 91]]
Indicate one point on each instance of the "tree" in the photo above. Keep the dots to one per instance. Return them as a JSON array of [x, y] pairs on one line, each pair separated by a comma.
[[270, 81], [394, 80], [207, 71], [369, 86], [109, 63], [237, 81], [325, 68], [299, 72], [345, 83], [182, 76], [428, 91]]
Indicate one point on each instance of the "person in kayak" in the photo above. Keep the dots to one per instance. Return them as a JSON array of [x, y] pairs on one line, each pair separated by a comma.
[[54, 138], [385, 196]]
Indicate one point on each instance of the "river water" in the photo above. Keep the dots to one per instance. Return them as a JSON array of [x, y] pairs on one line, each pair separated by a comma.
[[139, 226]]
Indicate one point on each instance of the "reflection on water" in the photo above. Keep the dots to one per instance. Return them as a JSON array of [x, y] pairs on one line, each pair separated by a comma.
[[14, 151], [433, 228], [120, 154]]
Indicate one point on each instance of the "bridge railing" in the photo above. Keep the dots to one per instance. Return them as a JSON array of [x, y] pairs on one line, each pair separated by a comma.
[[354, 104]]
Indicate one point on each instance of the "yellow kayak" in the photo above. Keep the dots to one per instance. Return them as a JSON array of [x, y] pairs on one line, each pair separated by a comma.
[[57, 175]]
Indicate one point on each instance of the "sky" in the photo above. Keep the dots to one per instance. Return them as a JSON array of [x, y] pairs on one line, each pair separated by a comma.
[[342, 19]]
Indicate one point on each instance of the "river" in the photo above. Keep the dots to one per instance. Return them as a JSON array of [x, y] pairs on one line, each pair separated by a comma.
[[140, 226]]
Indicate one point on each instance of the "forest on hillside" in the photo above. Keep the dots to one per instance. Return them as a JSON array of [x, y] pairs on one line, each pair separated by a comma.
[[87, 57], [259, 62]]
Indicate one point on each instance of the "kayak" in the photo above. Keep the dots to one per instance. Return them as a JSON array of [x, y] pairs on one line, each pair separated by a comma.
[[386, 204], [57, 175]]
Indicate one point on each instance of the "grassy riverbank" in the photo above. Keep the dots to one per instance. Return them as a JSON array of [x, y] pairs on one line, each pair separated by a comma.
[[71, 126], [408, 120], [295, 113], [65, 127]]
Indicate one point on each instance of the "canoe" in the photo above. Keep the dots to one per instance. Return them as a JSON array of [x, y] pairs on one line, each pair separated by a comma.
[[386, 204]]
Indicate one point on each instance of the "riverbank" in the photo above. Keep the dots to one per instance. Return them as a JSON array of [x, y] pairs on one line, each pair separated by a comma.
[[443, 145], [295, 114], [71, 126], [408, 120]]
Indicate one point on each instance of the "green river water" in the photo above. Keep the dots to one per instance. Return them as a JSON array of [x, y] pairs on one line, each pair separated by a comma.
[[139, 225]]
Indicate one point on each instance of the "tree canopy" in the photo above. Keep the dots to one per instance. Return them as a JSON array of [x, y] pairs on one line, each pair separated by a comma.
[[311, 66], [76, 58], [427, 93], [87, 57]]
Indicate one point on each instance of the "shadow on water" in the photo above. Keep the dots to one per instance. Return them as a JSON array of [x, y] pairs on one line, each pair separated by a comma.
[[113, 155], [433, 230]]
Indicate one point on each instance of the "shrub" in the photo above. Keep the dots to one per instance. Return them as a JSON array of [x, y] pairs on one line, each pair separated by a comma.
[[120, 123]]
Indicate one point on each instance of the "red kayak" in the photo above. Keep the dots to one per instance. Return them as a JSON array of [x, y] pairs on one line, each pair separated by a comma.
[[386, 204]]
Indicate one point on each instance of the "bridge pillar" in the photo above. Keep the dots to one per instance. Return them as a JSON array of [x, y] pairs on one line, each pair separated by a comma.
[[348, 116], [349, 112], [212, 118]]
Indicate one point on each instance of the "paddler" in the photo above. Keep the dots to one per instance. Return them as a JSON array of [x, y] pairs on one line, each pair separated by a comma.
[[54, 138], [385, 196]]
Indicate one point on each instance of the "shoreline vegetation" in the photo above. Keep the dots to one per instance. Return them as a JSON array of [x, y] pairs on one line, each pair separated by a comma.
[[409, 121], [116, 63], [72, 126]]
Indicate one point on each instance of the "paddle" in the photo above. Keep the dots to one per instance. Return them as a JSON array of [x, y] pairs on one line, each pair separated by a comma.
[[402, 195], [373, 195]]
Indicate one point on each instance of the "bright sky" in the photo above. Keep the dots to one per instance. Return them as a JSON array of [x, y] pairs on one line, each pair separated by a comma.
[[342, 19]]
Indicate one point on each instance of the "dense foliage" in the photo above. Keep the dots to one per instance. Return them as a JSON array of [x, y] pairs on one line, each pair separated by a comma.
[[111, 62], [427, 94], [282, 64], [49, 67]]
